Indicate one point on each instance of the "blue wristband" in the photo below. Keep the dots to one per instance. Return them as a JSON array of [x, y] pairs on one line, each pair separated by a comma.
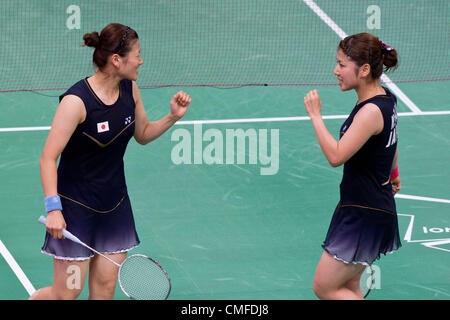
[[53, 203]]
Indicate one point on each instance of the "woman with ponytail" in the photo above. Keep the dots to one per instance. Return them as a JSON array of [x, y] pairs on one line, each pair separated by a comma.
[[87, 193], [364, 224]]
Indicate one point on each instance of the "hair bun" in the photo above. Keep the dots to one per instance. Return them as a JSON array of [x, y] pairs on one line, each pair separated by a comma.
[[92, 39], [390, 59]]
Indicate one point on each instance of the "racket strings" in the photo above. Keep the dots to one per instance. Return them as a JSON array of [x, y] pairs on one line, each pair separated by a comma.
[[143, 279]]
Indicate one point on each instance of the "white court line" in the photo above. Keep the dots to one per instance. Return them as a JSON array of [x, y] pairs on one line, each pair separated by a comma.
[[409, 231], [248, 120], [20, 129], [16, 268], [429, 243], [435, 244], [406, 196], [399, 93], [396, 90], [282, 119]]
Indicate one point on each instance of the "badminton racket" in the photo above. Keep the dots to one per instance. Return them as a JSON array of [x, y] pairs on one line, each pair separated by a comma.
[[140, 277], [366, 281]]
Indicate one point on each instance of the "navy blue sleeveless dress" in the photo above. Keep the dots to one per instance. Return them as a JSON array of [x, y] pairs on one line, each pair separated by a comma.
[[365, 224], [91, 178]]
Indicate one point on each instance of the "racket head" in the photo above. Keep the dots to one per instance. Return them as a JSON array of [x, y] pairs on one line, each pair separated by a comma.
[[142, 278], [367, 280]]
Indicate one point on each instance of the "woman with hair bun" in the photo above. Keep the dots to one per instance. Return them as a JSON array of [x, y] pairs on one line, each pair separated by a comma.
[[87, 193], [364, 224]]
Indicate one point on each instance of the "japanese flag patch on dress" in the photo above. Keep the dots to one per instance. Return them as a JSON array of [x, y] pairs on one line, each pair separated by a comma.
[[102, 127]]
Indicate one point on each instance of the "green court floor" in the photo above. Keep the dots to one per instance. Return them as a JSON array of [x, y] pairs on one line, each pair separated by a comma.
[[227, 231], [224, 231]]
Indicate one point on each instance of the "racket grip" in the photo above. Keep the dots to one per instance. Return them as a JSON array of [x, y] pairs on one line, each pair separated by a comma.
[[66, 234]]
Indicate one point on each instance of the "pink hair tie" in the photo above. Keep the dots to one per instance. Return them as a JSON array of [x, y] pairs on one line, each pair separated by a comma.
[[384, 46], [394, 174]]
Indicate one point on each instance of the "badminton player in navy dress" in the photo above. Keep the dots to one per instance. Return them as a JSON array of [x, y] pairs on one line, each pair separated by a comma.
[[364, 224], [87, 192]]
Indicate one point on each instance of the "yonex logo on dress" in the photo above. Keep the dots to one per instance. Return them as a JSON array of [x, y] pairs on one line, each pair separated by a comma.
[[127, 120]]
